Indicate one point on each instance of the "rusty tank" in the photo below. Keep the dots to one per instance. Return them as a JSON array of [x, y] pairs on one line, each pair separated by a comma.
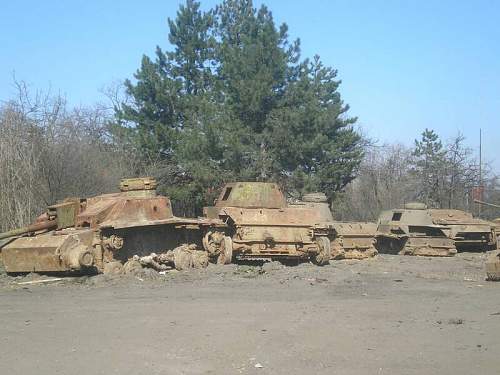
[[261, 225], [411, 231], [493, 261], [469, 233], [101, 233], [353, 240], [495, 223]]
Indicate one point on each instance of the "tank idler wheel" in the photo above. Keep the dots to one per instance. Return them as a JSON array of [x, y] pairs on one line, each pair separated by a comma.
[[212, 243], [226, 253], [324, 253]]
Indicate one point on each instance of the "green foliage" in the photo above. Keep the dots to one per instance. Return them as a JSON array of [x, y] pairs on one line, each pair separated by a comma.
[[429, 160], [233, 101]]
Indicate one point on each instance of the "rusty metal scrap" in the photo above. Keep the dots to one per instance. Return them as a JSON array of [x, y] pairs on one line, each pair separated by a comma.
[[412, 231], [262, 225], [88, 234], [468, 232], [352, 240]]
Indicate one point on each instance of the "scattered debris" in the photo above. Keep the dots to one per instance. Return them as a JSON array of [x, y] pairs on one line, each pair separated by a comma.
[[43, 281], [271, 266]]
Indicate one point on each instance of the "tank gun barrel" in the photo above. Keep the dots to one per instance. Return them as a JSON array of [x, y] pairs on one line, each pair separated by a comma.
[[48, 224], [486, 203]]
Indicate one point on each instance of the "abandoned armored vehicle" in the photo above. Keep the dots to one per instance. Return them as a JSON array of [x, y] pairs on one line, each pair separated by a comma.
[[493, 260], [495, 223], [261, 225], [353, 240], [100, 233], [412, 231], [468, 232]]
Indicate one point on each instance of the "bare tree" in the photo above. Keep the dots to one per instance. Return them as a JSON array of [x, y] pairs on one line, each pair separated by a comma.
[[50, 152], [383, 182]]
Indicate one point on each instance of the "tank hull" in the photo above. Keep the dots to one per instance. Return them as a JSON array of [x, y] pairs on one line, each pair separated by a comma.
[[274, 234], [354, 240], [468, 233], [110, 228], [50, 253], [421, 246], [262, 225], [413, 230]]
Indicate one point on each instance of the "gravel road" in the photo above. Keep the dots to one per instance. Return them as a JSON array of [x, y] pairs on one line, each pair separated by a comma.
[[388, 315]]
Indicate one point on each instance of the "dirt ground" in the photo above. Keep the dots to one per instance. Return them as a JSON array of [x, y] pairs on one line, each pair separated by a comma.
[[388, 315]]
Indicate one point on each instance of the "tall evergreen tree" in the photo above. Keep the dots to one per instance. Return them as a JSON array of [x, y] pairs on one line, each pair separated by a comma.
[[193, 56], [313, 143], [232, 100], [428, 167]]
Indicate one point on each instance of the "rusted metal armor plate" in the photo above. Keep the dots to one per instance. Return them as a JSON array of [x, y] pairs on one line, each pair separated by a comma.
[[412, 231]]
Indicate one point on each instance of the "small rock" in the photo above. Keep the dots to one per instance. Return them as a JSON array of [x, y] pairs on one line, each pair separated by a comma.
[[258, 365], [149, 273], [271, 266], [131, 267]]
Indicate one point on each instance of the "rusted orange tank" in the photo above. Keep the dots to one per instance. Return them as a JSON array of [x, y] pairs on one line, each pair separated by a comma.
[[468, 232], [262, 225], [353, 240], [90, 234], [411, 231]]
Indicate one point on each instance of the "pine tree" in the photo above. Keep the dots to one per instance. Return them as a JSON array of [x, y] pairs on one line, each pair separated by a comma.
[[428, 167], [313, 143], [233, 101]]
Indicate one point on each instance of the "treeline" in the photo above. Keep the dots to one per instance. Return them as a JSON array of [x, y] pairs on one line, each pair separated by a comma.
[[49, 151], [442, 175], [231, 100], [234, 100]]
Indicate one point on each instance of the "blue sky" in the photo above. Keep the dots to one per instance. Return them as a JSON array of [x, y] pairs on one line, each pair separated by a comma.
[[405, 65]]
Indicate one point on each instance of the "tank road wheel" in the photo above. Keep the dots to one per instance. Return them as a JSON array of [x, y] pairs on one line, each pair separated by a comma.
[[218, 246], [208, 243], [213, 242], [226, 251], [324, 253]]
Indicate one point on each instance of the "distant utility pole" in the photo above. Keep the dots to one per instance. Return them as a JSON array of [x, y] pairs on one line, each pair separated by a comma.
[[480, 171]]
